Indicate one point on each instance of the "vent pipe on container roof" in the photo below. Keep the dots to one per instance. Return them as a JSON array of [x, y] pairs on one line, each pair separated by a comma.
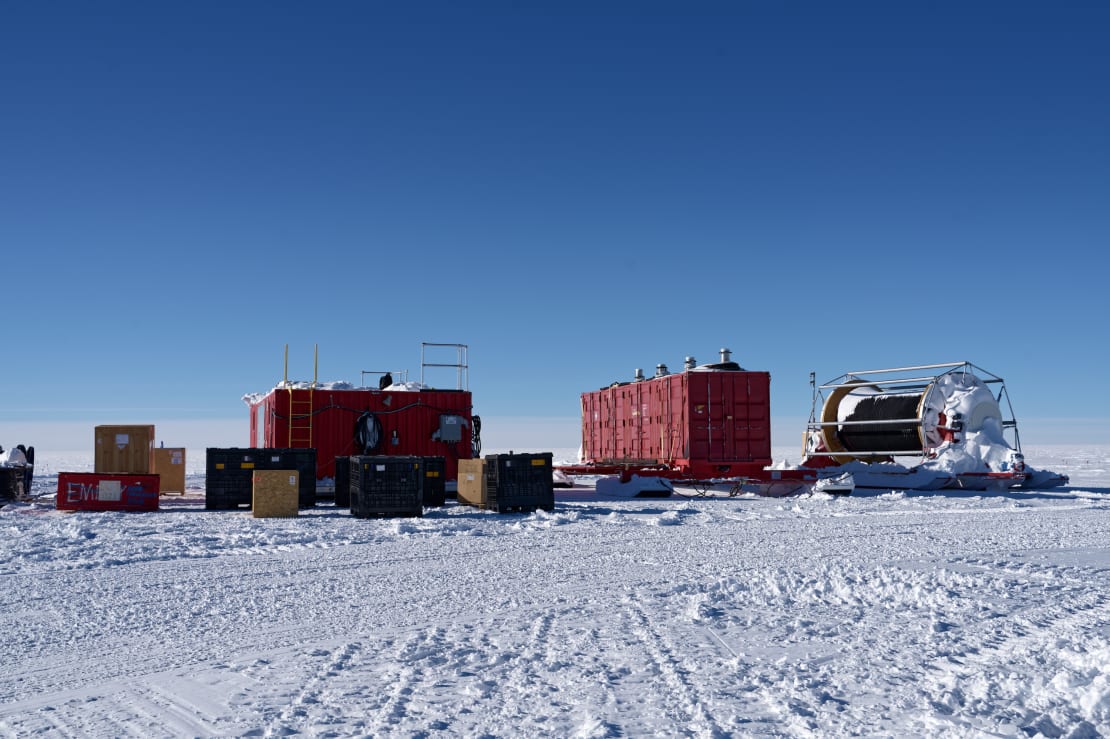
[[661, 370], [726, 355], [639, 376], [691, 363]]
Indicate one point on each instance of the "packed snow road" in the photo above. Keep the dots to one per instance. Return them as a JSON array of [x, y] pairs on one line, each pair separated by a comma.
[[929, 614]]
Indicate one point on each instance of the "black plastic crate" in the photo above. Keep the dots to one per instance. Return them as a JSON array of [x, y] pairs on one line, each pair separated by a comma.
[[387, 486], [229, 474], [435, 481], [342, 482], [519, 482], [11, 483]]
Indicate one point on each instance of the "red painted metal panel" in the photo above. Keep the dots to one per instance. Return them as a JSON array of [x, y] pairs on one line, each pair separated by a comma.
[[608, 399], [101, 491], [413, 423], [730, 414], [669, 411], [632, 422], [591, 425], [710, 423]]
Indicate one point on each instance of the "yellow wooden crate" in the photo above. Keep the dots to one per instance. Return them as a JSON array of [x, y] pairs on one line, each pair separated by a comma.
[[275, 493], [472, 483], [124, 449], [169, 465]]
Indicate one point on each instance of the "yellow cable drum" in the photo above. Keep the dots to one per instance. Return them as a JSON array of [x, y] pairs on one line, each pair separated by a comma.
[[861, 420]]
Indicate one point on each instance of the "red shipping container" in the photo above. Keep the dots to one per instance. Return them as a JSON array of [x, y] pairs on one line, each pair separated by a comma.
[[418, 423], [705, 422], [102, 491]]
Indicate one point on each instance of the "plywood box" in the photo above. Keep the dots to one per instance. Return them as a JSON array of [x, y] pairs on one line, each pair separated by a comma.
[[472, 482], [276, 493], [124, 449], [169, 464]]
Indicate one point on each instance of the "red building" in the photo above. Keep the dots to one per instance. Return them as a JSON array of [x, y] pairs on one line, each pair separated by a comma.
[[340, 420], [709, 421]]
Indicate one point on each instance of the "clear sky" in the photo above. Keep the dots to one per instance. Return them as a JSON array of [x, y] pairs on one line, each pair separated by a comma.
[[572, 189]]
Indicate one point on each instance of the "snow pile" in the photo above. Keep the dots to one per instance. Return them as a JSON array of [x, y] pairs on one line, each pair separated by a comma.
[[405, 387], [252, 398], [634, 486], [13, 458]]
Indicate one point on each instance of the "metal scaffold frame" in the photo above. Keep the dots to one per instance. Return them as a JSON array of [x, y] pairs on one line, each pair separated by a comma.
[[462, 369], [898, 380]]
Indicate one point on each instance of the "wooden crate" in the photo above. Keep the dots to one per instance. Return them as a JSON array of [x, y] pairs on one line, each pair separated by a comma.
[[124, 449], [472, 483], [169, 464], [276, 493]]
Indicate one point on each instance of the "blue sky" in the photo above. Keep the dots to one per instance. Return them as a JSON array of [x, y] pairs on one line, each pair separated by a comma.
[[573, 190]]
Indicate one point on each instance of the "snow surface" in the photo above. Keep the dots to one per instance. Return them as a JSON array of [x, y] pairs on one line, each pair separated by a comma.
[[880, 614]]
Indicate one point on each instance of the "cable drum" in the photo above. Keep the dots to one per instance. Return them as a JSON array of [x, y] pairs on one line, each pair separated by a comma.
[[886, 422], [476, 437], [878, 414]]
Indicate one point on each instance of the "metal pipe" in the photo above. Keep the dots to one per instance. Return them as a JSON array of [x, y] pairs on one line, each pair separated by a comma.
[[865, 423], [907, 369], [887, 453], [862, 382]]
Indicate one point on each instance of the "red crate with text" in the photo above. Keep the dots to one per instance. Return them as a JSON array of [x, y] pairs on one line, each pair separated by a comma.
[[97, 491]]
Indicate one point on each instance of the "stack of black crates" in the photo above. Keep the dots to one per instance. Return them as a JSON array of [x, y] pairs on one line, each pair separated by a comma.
[[518, 482], [342, 482], [229, 474], [435, 481], [387, 486], [434, 484]]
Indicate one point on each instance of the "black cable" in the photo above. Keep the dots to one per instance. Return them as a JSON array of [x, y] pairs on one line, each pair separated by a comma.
[[368, 432]]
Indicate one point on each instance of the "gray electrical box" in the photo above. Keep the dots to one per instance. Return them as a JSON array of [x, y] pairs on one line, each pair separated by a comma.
[[450, 428]]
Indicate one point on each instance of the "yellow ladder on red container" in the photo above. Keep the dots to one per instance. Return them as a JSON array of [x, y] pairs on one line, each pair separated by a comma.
[[301, 406]]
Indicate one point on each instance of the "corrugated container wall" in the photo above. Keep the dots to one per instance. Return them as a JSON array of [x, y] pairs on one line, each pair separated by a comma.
[[713, 423], [422, 423]]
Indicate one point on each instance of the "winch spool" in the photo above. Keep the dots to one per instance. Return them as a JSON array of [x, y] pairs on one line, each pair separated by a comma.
[[862, 419], [883, 413]]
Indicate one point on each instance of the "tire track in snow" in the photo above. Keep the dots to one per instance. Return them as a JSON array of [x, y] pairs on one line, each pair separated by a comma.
[[521, 703], [189, 717], [293, 717], [681, 698], [402, 681]]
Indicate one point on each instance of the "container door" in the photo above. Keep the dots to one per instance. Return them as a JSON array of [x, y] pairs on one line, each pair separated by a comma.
[[730, 416], [668, 418], [638, 430], [609, 424], [752, 419], [625, 423], [698, 401]]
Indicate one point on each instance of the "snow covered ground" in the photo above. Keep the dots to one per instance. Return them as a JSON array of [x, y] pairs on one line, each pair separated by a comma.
[[880, 614]]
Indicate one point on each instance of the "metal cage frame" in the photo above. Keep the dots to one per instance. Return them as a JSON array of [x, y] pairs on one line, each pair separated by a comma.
[[903, 380]]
